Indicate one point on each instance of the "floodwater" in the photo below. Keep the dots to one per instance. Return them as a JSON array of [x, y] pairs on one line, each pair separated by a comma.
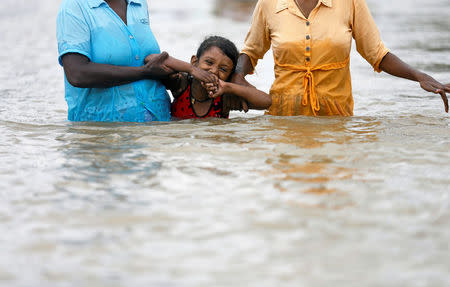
[[250, 201]]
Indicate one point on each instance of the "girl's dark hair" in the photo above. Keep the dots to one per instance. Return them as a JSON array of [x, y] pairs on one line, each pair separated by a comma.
[[227, 47]]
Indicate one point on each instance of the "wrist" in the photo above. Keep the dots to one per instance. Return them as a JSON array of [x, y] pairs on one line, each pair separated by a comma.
[[227, 88], [142, 72], [420, 76], [191, 69]]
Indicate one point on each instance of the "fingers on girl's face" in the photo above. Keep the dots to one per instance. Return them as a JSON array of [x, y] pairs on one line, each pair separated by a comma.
[[210, 86], [211, 78]]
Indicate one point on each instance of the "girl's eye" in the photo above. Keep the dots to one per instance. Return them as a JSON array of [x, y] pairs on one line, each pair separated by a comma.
[[209, 62], [224, 70]]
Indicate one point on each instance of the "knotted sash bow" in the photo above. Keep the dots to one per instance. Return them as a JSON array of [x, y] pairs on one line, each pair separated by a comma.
[[309, 94]]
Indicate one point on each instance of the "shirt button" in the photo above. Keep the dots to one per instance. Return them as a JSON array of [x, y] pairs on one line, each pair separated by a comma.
[[137, 57], [131, 37], [307, 23], [308, 59], [308, 37], [308, 48]]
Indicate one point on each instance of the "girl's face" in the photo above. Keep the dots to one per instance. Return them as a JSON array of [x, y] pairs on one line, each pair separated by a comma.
[[215, 61]]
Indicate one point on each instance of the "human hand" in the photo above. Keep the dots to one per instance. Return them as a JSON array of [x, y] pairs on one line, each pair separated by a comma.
[[155, 67], [211, 88], [205, 77], [150, 57], [219, 90], [429, 84]]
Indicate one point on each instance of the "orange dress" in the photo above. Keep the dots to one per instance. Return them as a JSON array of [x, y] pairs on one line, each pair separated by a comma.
[[312, 74]]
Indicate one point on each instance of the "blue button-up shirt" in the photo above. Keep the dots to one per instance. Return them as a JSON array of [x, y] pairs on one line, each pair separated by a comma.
[[91, 28]]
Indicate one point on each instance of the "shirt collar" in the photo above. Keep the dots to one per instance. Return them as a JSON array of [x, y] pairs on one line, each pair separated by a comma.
[[284, 4], [281, 5], [97, 3], [328, 3]]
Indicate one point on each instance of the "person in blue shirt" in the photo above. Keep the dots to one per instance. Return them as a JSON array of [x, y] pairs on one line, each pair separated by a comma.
[[102, 45]]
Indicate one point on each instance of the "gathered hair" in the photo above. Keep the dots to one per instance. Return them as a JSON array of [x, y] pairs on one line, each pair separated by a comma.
[[227, 47]]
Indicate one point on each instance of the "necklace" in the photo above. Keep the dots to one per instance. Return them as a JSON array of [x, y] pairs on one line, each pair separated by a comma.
[[194, 100]]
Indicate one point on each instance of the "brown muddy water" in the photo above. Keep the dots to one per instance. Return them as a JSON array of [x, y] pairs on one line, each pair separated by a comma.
[[250, 201]]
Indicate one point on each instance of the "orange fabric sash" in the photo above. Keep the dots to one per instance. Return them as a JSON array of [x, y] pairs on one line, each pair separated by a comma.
[[309, 94]]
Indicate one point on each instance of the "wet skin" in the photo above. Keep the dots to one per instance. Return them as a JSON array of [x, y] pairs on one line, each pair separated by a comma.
[[216, 62], [211, 72], [120, 7], [306, 6]]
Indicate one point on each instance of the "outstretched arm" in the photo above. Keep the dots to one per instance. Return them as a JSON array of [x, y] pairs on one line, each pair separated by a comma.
[[393, 65], [83, 73], [181, 66], [255, 98]]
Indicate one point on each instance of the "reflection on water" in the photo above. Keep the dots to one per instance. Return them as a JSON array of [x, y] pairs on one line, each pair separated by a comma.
[[251, 201], [315, 160]]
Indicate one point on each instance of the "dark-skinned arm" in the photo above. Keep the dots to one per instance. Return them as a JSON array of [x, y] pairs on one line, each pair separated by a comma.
[[177, 83], [181, 66], [243, 68], [255, 98], [393, 65], [83, 73]]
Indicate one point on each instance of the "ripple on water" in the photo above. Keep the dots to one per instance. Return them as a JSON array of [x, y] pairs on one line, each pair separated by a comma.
[[269, 201]]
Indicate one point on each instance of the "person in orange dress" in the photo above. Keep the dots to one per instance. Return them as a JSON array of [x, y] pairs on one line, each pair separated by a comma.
[[311, 42]]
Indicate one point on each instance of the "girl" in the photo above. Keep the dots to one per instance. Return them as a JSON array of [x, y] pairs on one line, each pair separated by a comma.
[[199, 86]]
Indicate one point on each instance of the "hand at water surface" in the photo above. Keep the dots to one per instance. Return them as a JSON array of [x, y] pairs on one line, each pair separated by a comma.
[[429, 84]]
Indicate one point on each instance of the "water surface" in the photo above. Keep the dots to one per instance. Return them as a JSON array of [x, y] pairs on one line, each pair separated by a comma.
[[250, 201]]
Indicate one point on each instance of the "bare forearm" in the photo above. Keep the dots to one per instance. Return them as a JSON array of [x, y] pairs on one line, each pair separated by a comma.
[[244, 65], [83, 73], [178, 65], [172, 63], [393, 65], [257, 99], [93, 75]]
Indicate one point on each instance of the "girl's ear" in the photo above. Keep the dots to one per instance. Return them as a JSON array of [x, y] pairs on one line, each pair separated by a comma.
[[194, 60]]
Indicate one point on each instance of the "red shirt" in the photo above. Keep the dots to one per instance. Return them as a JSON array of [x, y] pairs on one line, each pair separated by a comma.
[[181, 107]]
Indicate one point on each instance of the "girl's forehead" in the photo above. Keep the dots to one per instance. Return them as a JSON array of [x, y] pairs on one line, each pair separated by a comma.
[[217, 54], [214, 50]]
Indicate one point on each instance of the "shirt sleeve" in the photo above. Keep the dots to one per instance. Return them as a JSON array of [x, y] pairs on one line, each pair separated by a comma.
[[257, 42], [72, 31], [366, 35]]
